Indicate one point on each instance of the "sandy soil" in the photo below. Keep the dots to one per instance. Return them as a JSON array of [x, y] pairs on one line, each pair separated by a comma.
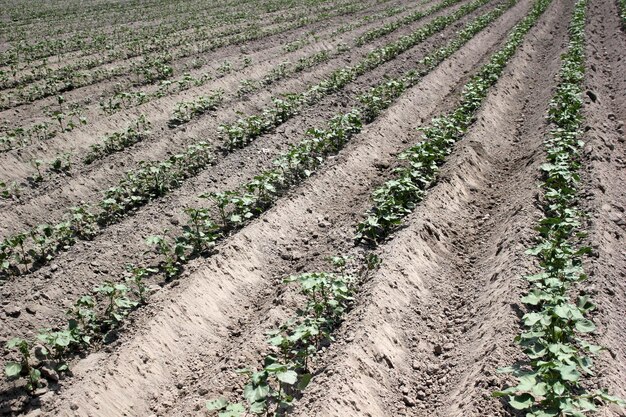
[[429, 329]]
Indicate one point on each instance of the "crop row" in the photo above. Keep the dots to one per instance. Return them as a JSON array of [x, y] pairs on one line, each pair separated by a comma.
[[21, 136], [161, 38], [389, 27], [558, 356], [118, 141], [63, 117], [61, 164], [202, 230], [248, 86], [397, 198], [287, 370], [150, 68], [154, 179], [120, 13], [155, 42]]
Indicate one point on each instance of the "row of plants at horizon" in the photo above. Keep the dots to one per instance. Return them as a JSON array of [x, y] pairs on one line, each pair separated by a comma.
[[13, 138], [150, 69], [231, 19]]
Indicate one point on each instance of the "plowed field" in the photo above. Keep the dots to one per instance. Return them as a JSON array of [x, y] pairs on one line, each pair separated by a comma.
[[313, 208]]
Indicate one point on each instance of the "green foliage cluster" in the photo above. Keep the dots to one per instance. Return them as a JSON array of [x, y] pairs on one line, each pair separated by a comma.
[[187, 110], [559, 357], [118, 141], [286, 371]]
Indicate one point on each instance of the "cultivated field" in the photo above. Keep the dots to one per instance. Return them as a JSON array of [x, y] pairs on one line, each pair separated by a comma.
[[313, 208]]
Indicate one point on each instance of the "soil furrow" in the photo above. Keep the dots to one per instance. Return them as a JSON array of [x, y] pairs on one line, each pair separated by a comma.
[[604, 197]]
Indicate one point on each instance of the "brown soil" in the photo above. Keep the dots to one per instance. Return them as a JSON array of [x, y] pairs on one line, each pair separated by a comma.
[[430, 328]]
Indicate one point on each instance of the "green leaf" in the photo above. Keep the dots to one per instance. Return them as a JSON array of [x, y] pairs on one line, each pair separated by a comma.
[[542, 413], [217, 404], [275, 367], [569, 373], [303, 382], [12, 369], [558, 388], [504, 393], [609, 398], [288, 377], [540, 389], [259, 407], [15, 342], [526, 383], [254, 394], [531, 319], [521, 402], [585, 326], [276, 340], [531, 298], [233, 410]]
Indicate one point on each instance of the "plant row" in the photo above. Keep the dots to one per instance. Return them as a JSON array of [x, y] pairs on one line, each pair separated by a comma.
[[91, 321], [187, 110], [235, 208], [150, 68], [62, 164], [20, 253], [63, 117], [288, 369], [397, 198], [393, 26], [118, 141], [558, 354], [23, 252], [94, 40]]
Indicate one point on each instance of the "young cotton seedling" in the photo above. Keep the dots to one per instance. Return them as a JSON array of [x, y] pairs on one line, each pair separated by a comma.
[[200, 232], [62, 164], [174, 254], [16, 369], [118, 303], [136, 280]]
